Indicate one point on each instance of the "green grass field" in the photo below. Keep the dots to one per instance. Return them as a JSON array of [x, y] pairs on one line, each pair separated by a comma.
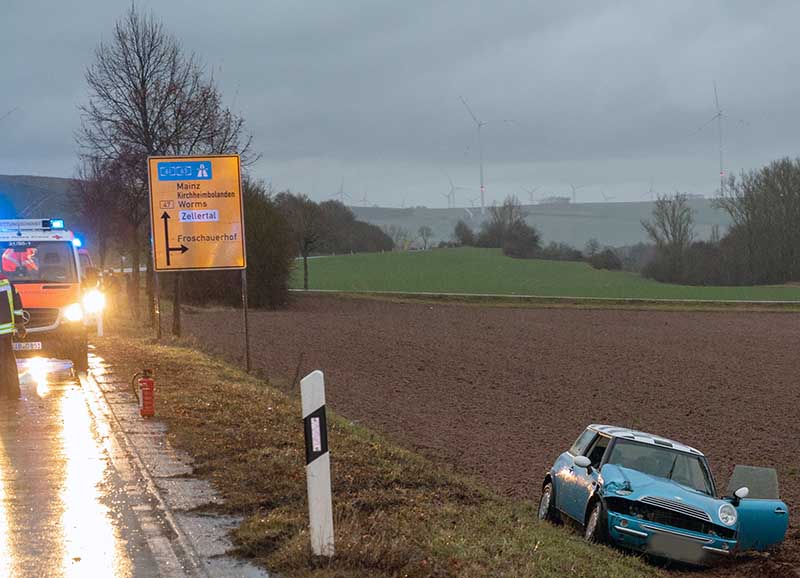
[[469, 270]]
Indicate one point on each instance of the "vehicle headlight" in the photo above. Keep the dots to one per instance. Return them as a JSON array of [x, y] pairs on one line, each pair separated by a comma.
[[727, 514], [73, 312], [94, 301]]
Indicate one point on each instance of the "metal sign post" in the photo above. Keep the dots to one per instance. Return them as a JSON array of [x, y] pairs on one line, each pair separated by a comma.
[[156, 305], [318, 464], [246, 324], [197, 218]]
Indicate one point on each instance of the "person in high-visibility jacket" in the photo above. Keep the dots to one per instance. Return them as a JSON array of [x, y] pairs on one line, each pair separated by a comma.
[[11, 260], [10, 322], [14, 261]]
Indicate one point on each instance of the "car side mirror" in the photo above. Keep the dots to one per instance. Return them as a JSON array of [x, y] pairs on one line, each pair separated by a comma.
[[582, 462], [740, 494]]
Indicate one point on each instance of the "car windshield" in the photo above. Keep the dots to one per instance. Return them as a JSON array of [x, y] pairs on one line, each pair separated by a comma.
[[38, 261], [682, 468]]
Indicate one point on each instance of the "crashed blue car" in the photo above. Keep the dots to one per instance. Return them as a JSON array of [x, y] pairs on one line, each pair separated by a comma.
[[658, 496]]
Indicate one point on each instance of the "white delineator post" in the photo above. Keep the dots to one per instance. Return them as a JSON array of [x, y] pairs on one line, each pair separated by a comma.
[[318, 464]]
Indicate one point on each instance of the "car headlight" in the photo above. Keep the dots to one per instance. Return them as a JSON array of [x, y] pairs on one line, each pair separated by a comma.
[[727, 514], [73, 312], [94, 301]]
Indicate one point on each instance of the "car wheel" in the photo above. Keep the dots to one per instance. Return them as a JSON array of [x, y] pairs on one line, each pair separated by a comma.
[[547, 507], [595, 528]]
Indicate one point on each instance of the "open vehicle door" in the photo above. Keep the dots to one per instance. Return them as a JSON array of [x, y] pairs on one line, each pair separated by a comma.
[[763, 517]]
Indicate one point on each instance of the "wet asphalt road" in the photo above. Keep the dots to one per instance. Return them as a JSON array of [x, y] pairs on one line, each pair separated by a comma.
[[65, 509]]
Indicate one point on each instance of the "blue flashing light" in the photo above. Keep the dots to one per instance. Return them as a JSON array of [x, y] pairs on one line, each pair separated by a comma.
[[56, 223], [76, 243]]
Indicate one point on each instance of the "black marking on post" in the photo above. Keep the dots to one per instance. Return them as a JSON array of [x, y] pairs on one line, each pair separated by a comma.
[[316, 430], [183, 248]]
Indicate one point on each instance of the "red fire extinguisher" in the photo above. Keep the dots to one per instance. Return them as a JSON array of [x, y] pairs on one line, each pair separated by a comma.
[[145, 391]]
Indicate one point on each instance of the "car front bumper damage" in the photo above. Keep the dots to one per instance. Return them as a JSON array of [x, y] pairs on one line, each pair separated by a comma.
[[667, 541]]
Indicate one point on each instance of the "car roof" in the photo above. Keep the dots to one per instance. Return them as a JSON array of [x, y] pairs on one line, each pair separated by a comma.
[[642, 437]]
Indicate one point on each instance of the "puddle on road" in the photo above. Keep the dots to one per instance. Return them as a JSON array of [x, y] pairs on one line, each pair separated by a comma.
[[40, 372], [88, 532], [6, 552], [54, 479]]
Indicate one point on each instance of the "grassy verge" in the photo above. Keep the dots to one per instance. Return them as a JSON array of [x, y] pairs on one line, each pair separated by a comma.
[[487, 271], [396, 513]]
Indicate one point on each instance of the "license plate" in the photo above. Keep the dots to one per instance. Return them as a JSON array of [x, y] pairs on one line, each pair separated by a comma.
[[28, 346]]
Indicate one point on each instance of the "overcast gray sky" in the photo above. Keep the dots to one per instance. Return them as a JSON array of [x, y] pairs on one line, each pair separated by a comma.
[[606, 96]]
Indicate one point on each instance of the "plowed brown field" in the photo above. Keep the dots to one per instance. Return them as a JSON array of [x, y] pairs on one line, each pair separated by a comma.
[[499, 392]]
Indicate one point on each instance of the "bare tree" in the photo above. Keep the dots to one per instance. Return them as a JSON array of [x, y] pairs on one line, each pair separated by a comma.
[[672, 230], [502, 220], [463, 234], [400, 237], [96, 198], [764, 206], [124, 176], [592, 247], [672, 224], [305, 222], [507, 214], [148, 97], [425, 233]]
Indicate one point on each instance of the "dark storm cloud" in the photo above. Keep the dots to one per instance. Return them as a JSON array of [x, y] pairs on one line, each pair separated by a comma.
[[608, 96]]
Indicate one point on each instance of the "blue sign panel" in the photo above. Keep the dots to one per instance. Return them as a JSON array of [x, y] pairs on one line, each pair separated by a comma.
[[184, 171]]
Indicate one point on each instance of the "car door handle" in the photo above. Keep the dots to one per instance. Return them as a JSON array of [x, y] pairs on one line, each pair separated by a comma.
[[780, 511]]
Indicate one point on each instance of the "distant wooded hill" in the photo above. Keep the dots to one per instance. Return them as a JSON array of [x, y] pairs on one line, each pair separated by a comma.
[[614, 224], [23, 196]]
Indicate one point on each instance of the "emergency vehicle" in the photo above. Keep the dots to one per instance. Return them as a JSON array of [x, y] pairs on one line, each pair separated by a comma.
[[41, 259]]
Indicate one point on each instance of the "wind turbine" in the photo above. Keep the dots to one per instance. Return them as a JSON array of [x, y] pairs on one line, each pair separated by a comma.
[[607, 198], [479, 124], [364, 200], [341, 195], [447, 196], [452, 193], [531, 194], [718, 117]]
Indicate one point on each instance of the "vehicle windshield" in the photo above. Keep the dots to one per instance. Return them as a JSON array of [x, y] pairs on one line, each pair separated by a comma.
[[38, 261], [682, 468]]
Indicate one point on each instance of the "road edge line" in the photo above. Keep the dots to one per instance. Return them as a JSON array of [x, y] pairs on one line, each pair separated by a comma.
[[190, 553]]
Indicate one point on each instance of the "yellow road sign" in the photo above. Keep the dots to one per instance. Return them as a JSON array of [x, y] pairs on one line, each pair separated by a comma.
[[196, 213]]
